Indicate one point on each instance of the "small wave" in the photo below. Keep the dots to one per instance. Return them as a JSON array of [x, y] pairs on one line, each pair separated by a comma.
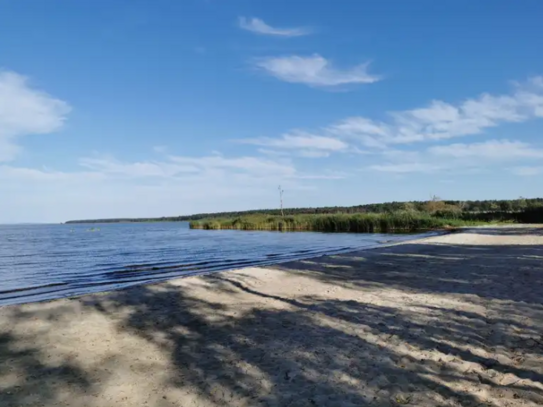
[[35, 293], [38, 287], [81, 266]]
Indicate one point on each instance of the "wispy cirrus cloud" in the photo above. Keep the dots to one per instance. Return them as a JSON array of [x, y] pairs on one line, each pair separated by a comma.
[[252, 165], [305, 144], [258, 26], [408, 167], [491, 149], [33, 176], [314, 70], [441, 120], [111, 166], [460, 157], [181, 166], [25, 110]]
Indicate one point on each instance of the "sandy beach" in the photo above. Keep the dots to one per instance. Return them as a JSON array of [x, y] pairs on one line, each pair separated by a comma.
[[453, 320]]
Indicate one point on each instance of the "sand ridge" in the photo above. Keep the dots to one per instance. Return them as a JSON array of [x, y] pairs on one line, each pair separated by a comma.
[[453, 320]]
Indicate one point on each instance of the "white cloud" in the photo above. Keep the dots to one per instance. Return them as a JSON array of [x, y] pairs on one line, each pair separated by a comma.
[[273, 153], [33, 175], [299, 143], [367, 132], [404, 168], [298, 140], [332, 175], [108, 165], [313, 153], [25, 111], [258, 26], [460, 158], [314, 71], [434, 123], [171, 169], [255, 166], [174, 167], [440, 120], [492, 149]]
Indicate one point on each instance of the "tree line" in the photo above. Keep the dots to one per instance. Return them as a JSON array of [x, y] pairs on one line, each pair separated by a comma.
[[434, 205]]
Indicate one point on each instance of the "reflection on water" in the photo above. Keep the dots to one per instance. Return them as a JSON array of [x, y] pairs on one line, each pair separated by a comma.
[[42, 262]]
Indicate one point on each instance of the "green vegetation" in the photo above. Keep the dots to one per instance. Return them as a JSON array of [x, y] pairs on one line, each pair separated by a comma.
[[358, 223], [435, 215], [494, 206]]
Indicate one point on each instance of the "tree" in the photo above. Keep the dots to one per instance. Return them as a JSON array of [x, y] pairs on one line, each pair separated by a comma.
[[281, 200]]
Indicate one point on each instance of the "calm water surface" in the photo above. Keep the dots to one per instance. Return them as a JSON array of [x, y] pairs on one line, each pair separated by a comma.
[[42, 262]]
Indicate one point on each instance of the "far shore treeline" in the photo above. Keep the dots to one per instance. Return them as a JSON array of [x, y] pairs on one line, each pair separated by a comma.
[[382, 217]]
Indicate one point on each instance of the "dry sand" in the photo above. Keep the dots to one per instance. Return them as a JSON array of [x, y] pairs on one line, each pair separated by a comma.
[[455, 320]]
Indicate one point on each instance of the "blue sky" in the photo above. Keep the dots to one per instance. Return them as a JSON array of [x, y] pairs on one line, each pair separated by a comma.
[[160, 107]]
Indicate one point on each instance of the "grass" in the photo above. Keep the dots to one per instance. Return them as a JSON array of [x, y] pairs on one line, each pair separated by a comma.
[[355, 223]]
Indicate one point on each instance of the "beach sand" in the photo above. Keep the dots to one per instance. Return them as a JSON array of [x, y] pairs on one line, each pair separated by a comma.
[[453, 320]]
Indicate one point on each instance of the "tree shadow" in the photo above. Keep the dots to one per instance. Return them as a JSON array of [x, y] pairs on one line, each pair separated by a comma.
[[275, 357], [505, 272], [28, 374], [314, 351]]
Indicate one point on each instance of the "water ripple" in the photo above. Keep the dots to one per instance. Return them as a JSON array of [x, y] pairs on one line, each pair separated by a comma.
[[44, 262]]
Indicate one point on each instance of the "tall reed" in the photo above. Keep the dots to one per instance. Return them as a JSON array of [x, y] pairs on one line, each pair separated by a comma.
[[359, 223]]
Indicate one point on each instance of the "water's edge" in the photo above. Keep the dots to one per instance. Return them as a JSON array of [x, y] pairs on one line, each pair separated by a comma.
[[70, 291]]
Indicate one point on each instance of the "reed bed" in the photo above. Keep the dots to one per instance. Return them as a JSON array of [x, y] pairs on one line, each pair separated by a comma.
[[354, 223]]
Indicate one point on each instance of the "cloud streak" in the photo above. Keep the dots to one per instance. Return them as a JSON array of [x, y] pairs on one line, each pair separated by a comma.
[[492, 149], [182, 167], [305, 144], [258, 26], [459, 157], [315, 71]]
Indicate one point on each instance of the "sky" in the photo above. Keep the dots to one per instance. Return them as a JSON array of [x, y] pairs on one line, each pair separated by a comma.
[[142, 108]]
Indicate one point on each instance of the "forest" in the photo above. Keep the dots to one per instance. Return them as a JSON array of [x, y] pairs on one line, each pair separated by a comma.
[[492, 208]]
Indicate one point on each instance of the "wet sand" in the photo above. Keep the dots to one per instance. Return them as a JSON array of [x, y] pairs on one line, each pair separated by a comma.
[[454, 320]]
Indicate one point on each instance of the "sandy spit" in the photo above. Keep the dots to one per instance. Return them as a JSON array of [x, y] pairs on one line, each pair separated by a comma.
[[454, 320]]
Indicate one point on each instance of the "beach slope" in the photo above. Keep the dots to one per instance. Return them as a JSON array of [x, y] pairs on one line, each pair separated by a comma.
[[453, 320]]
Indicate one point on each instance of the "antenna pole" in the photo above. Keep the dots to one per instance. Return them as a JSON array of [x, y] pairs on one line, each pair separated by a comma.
[[281, 200]]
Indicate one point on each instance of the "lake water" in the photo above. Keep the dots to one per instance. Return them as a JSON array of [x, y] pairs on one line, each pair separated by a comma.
[[42, 262]]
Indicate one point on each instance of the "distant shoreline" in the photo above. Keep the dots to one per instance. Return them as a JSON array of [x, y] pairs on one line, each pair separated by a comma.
[[487, 206]]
